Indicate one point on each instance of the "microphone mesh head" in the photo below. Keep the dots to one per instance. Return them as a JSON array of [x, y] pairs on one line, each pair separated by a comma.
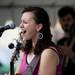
[[12, 26], [10, 23]]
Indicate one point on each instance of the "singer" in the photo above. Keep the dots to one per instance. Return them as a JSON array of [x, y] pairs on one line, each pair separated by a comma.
[[40, 56]]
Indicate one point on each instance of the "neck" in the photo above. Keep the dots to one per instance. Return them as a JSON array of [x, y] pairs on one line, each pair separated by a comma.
[[34, 41]]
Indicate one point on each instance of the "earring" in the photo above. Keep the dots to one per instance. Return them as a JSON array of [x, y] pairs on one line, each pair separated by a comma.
[[40, 35]]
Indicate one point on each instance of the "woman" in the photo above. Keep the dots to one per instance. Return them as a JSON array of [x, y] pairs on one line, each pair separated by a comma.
[[36, 38]]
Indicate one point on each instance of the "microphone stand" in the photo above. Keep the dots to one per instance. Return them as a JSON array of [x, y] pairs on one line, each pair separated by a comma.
[[14, 58]]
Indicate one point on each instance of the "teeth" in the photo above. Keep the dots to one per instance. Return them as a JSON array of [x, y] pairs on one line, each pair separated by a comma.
[[19, 30], [22, 32]]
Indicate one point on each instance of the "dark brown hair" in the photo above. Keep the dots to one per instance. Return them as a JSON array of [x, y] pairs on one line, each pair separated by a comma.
[[41, 17], [65, 10]]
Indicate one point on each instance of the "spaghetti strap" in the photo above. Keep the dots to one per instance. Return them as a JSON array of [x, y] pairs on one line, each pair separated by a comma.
[[56, 49]]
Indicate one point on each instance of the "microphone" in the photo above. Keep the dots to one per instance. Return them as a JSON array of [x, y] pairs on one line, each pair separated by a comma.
[[18, 45], [11, 46], [10, 26]]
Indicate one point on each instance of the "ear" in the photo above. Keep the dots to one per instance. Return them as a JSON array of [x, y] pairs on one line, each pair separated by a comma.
[[39, 27]]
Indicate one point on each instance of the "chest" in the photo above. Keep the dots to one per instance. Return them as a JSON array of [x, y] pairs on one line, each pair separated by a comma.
[[29, 58]]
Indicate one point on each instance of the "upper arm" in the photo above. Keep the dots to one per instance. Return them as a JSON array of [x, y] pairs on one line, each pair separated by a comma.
[[48, 62]]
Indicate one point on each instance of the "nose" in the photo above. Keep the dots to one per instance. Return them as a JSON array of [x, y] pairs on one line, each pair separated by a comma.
[[21, 25]]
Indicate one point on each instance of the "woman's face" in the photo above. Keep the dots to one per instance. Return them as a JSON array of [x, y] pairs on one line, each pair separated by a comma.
[[28, 26]]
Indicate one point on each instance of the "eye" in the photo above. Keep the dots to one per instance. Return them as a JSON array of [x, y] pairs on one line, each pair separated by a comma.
[[68, 19], [25, 22]]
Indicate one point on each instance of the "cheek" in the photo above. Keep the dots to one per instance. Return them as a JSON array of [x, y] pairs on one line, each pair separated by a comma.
[[70, 22], [32, 28], [31, 31]]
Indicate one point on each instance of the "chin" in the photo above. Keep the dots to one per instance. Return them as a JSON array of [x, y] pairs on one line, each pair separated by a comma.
[[26, 38]]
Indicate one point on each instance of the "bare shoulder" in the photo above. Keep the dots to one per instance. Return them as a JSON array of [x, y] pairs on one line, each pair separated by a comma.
[[49, 54], [48, 62]]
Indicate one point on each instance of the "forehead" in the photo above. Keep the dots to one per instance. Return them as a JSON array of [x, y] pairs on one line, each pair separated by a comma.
[[68, 16], [27, 15]]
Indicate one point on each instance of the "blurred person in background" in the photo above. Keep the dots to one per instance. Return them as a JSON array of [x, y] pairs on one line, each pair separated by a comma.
[[63, 35]]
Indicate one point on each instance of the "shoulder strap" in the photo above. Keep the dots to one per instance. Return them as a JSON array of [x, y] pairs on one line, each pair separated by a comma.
[[31, 67], [57, 49]]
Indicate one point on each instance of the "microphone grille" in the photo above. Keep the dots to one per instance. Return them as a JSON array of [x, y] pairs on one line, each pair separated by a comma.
[[10, 23], [12, 26]]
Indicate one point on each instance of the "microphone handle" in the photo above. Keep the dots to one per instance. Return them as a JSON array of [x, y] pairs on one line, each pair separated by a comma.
[[0, 34]]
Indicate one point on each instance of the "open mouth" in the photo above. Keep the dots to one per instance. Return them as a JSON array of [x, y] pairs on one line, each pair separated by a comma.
[[22, 33]]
